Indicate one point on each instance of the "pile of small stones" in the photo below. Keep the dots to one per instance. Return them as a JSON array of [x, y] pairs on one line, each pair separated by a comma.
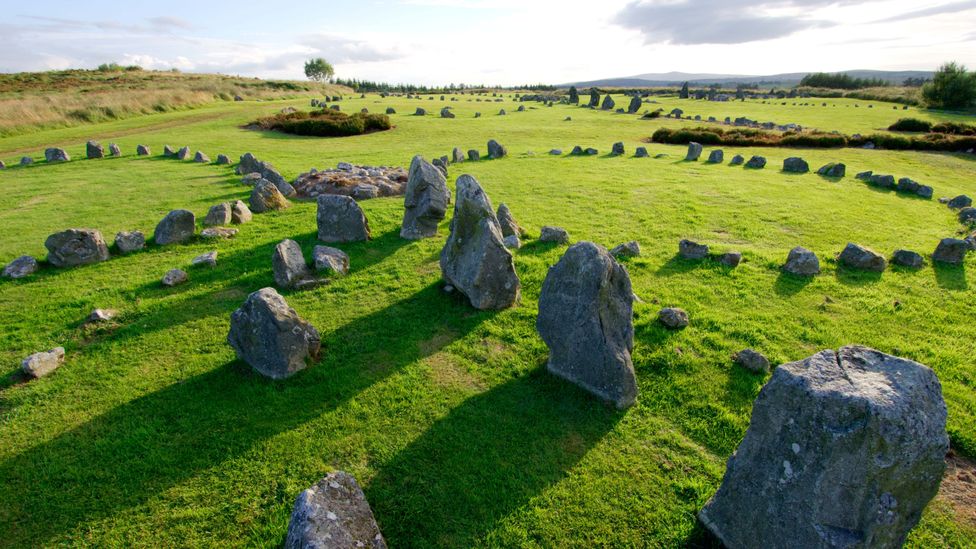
[[359, 182]]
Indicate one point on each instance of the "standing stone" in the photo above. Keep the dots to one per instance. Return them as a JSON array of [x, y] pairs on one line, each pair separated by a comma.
[[26, 161], [802, 262], [640, 152], [440, 165], [266, 197], [495, 149], [240, 213], [333, 514], [168, 151], [756, 162], [183, 153], [556, 235], [55, 155], [3, 165], [967, 215], [201, 158], [730, 259], [178, 226], [752, 360], [737, 160], [270, 336], [716, 156], [43, 363], [114, 149], [94, 149], [390, 110], [834, 169], [446, 113], [689, 249], [859, 257], [795, 164], [474, 155], [507, 222], [907, 258], [951, 250], [618, 148], [328, 259], [959, 202], [420, 112], [222, 160], [673, 317], [586, 320], [694, 151], [512, 242], [844, 449], [594, 99], [130, 241], [502, 112], [457, 155], [635, 105], [289, 266], [75, 247], [340, 219], [627, 249], [474, 259], [425, 200], [21, 267], [608, 103], [218, 215]]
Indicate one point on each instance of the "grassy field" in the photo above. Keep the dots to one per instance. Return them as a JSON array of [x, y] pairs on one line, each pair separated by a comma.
[[152, 434]]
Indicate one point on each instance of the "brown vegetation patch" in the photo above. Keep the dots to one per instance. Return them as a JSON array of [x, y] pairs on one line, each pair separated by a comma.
[[959, 487]]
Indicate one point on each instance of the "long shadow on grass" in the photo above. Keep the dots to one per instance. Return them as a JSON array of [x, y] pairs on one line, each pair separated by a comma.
[[487, 458], [789, 284], [121, 459], [950, 277]]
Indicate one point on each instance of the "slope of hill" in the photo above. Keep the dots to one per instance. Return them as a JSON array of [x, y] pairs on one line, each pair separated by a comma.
[[785, 79]]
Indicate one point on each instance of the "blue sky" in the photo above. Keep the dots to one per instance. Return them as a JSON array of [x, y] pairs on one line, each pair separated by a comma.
[[491, 42]]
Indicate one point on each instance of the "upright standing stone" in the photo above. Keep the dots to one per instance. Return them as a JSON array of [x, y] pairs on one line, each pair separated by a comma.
[[129, 241], [795, 164], [951, 250], [240, 213], [855, 256], [716, 156], [54, 155], [474, 259], [802, 262], [586, 320], [694, 151], [75, 247], [333, 514], [114, 149], [266, 197], [844, 449], [94, 149], [183, 153], [425, 200], [756, 162], [270, 336], [143, 150], [507, 222], [635, 105], [178, 226], [340, 219], [608, 103], [218, 215], [617, 149], [495, 149], [457, 155], [289, 266]]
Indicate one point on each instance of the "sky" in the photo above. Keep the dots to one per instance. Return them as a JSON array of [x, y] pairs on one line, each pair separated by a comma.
[[503, 42]]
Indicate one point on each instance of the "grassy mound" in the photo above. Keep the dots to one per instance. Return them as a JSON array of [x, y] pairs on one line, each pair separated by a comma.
[[325, 123]]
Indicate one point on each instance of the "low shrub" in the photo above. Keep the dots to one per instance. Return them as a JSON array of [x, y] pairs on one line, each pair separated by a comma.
[[954, 128], [742, 137], [910, 125], [325, 123]]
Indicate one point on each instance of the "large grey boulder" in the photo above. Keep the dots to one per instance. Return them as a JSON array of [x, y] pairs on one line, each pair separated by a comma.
[[114, 150], [951, 250], [270, 336], [608, 103], [178, 226], [55, 155], [844, 450], [834, 169], [218, 215], [129, 241], [496, 149], [183, 153], [94, 149], [641, 152], [617, 149], [689, 249], [21, 267], [673, 318], [802, 262], [330, 260], [586, 320], [340, 219], [855, 256], [333, 514], [26, 161], [201, 158], [425, 200], [716, 156], [143, 150], [43, 363], [795, 164], [266, 197], [959, 202], [756, 162], [289, 266], [240, 213], [474, 259], [556, 235], [507, 222], [75, 247], [908, 258], [694, 151]]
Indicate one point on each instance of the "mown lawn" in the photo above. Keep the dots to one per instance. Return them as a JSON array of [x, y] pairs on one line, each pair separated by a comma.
[[153, 435]]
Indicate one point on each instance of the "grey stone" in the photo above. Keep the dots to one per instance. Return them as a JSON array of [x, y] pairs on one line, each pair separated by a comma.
[[474, 155], [340, 219], [26, 161], [174, 277], [752, 360], [218, 215], [556, 152], [143, 150], [270, 336], [855, 256], [266, 197], [586, 320], [521, 108], [99, 316], [512, 242], [907, 258], [635, 105], [201, 158], [844, 449], [802, 262], [330, 260], [240, 213], [425, 200], [617, 149], [951, 250], [959, 202], [608, 103], [457, 155], [737, 160], [795, 164], [496, 149], [75, 247], [21, 267], [924, 191], [694, 151], [689, 249], [756, 162], [627, 249], [94, 149], [55, 155], [216, 233], [333, 514], [114, 149], [446, 113], [168, 152], [967, 215], [390, 110], [730, 259], [365, 191], [673, 317], [177, 227], [474, 260], [43, 363], [129, 241], [883, 181], [208, 259], [640, 152], [557, 235], [289, 266], [507, 222], [183, 153], [716, 156], [908, 185], [834, 169]]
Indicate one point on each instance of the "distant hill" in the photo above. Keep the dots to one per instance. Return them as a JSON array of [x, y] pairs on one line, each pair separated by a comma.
[[786, 79]]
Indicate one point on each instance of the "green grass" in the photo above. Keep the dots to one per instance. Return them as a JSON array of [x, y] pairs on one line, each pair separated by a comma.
[[153, 435]]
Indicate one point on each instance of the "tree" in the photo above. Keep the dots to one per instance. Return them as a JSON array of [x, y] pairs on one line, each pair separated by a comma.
[[952, 87], [319, 69]]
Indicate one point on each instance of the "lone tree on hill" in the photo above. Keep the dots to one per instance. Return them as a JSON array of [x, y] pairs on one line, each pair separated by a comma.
[[952, 87], [319, 69]]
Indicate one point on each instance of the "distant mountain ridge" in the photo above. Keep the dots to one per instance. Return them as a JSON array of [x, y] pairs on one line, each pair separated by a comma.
[[699, 79]]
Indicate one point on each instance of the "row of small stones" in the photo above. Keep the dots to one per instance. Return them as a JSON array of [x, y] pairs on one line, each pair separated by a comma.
[[95, 150]]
